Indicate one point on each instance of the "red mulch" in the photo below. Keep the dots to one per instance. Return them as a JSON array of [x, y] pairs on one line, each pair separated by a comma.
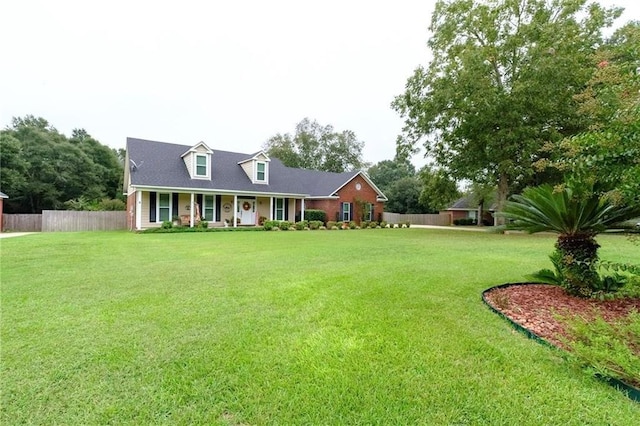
[[535, 307]]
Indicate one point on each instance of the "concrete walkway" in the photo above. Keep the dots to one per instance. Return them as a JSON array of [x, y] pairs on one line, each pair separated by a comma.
[[14, 234]]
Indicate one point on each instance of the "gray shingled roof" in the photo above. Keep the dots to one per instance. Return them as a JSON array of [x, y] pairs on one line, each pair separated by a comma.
[[159, 164], [467, 203]]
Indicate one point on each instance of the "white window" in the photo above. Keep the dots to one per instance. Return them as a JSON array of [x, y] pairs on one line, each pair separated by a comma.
[[346, 212], [261, 171], [369, 214], [279, 209], [201, 165], [208, 208], [164, 207]]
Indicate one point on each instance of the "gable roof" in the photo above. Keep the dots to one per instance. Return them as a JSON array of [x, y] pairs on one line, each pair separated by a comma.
[[195, 148], [159, 165], [256, 156], [3, 195]]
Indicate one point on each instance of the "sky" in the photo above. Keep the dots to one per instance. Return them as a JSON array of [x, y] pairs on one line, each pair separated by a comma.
[[231, 74]]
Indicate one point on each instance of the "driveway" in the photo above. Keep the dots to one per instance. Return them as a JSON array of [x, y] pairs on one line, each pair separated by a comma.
[[14, 234], [457, 228]]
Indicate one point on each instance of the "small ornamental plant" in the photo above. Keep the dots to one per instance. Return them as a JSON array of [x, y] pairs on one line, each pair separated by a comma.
[[577, 214]]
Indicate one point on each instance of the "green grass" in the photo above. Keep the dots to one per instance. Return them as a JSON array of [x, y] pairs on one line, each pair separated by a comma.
[[323, 327]]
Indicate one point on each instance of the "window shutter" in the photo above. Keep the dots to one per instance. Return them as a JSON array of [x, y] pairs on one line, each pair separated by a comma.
[[273, 213], [286, 209], [350, 211], [218, 202], [152, 207], [174, 205], [371, 215]]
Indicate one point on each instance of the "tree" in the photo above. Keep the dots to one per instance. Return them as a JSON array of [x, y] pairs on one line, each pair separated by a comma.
[[386, 172], [490, 99], [608, 153], [107, 166], [317, 147], [577, 214], [13, 167], [404, 197], [43, 169], [438, 189]]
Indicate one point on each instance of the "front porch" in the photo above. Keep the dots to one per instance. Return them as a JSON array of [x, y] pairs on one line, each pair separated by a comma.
[[149, 209]]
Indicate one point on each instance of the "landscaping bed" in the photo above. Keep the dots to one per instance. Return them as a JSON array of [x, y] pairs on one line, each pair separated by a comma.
[[549, 313]]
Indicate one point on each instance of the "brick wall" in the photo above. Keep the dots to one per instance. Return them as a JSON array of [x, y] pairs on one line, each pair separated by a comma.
[[349, 194]]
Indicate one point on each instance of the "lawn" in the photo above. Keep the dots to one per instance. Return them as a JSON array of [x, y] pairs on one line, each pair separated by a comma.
[[306, 327]]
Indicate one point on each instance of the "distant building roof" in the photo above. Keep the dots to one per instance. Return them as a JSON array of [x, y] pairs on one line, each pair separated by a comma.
[[3, 195], [467, 203]]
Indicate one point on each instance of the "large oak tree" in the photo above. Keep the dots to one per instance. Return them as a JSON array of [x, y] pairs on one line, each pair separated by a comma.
[[500, 85]]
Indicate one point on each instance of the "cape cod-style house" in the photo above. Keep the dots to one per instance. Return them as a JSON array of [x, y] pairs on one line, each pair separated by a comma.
[[166, 181]]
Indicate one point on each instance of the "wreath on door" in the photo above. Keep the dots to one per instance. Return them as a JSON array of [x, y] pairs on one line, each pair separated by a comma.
[[246, 206]]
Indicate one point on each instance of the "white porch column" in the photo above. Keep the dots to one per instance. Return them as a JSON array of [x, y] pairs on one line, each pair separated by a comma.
[[270, 208], [235, 211], [191, 209], [138, 209], [302, 209]]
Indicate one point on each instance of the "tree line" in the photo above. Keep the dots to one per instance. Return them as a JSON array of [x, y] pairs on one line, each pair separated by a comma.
[[42, 169]]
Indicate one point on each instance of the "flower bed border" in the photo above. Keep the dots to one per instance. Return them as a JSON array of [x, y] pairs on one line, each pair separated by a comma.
[[631, 392]]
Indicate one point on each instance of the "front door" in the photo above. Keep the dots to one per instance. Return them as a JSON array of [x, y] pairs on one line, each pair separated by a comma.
[[247, 211]]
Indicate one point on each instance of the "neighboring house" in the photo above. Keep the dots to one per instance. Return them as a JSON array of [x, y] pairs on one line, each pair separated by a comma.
[[163, 181], [466, 208], [2, 197]]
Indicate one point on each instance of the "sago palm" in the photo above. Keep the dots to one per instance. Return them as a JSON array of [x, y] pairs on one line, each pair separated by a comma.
[[577, 218]]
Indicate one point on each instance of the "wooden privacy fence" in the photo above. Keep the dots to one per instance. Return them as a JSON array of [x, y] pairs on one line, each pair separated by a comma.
[[22, 222], [442, 219], [65, 220]]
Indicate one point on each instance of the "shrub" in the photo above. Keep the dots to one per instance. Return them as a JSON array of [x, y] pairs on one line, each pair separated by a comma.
[[464, 221], [331, 224], [284, 225], [301, 225], [373, 225], [203, 224], [383, 224], [107, 204], [167, 224], [313, 214], [352, 225], [315, 224], [407, 224], [364, 224], [607, 349], [270, 224], [322, 228]]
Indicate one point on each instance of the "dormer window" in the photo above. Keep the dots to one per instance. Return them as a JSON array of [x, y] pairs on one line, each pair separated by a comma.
[[198, 161], [256, 167], [201, 165], [261, 171]]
